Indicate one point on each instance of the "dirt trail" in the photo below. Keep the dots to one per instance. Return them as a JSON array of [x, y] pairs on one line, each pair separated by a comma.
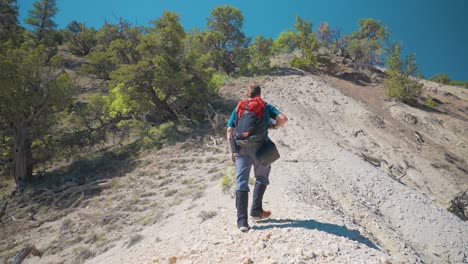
[[329, 204]]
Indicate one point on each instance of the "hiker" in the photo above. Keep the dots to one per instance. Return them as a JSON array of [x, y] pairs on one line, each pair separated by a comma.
[[247, 132]]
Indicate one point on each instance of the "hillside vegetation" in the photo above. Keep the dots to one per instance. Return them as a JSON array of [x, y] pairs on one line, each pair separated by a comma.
[[112, 143]]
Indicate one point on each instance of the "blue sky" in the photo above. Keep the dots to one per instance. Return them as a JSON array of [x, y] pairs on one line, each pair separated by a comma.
[[436, 30]]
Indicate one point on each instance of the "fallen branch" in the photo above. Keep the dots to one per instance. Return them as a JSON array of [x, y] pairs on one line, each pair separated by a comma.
[[23, 253], [98, 185], [384, 165]]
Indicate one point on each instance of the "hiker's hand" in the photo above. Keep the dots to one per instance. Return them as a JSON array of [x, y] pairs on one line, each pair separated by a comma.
[[233, 158]]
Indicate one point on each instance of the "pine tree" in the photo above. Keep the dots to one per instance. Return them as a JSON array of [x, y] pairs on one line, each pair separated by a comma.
[[9, 27], [397, 77], [40, 18]]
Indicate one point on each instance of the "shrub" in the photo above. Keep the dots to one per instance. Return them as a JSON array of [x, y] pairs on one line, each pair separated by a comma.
[[441, 78], [205, 215], [397, 77], [430, 102], [463, 84], [228, 180]]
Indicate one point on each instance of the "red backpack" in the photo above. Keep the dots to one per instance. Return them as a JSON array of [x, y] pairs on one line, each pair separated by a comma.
[[250, 127]]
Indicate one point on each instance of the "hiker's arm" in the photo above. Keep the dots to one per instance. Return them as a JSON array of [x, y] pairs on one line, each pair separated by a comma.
[[230, 131], [281, 119]]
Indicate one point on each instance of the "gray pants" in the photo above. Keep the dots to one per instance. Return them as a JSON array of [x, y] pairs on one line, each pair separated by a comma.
[[245, 158]]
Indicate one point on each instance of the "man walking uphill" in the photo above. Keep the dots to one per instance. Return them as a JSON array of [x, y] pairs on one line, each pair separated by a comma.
[[247, 132]]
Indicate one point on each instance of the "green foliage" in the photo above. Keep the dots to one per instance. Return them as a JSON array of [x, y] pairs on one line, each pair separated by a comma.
[[217, 80], [158, 77], [324, 34], [364, 52], [304, 40], [40, 18], [420, 75], [430, 102], [99, 64], [371, 29], [284, 43], [165, 134], [116, 44], [397, 77], [6, 186], [227, 43], [33, 94], [80, 39], [228, 181], [441, 78], [260, 52], [463, 84], [9, 26], [365, 45]]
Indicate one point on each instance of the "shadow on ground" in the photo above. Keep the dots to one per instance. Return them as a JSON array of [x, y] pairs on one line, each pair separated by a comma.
[[333, 229]]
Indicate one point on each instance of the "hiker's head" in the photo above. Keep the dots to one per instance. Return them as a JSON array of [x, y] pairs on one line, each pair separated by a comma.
[[253, 90]]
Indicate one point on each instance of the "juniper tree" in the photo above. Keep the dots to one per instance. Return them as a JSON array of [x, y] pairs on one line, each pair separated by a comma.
[[365, 45], [305, 41], [80, 38], [260, 51], [165, 82], [226, 39], [32, 93]]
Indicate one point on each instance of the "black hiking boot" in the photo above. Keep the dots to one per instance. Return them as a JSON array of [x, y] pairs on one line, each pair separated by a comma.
[[257, 211], [242, 203]]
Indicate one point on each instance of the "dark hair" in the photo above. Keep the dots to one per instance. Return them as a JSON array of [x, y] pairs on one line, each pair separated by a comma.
[[253, 90]]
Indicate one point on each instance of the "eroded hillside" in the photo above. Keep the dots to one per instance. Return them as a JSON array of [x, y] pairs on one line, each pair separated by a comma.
[[361, 180]]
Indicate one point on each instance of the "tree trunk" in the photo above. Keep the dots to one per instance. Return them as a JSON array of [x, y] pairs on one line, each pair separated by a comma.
[[21, 168], [162, 105]]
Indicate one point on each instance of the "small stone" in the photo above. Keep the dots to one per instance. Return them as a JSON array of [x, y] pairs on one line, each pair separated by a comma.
[[308, 255], [247, 261], [299, 251], [172, 260], [260, 245]]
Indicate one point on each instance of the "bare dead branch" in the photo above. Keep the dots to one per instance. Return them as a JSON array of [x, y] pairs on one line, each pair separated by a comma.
[[23, 253]]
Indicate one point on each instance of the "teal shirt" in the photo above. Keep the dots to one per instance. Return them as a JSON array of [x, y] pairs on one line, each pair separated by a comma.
[[270, 112]]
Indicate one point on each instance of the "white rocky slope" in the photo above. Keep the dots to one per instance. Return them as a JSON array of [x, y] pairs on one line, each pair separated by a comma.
[[329, 205]]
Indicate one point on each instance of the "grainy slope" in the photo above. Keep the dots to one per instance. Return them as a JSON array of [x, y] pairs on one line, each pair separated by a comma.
[[329, 205]]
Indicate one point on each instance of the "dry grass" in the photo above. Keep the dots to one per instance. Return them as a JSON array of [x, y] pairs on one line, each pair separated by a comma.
[[82, 254], [134, 239], [205, 215], [197, 195], [137, 199], [170, 193], [228, 181]]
